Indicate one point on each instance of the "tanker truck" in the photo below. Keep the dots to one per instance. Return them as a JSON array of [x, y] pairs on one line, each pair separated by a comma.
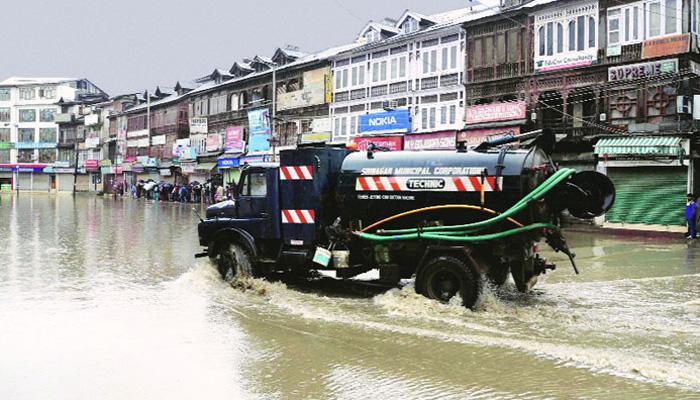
[[451, 220]]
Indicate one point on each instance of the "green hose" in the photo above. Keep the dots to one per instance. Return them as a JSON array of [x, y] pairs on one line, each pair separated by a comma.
[[441, 236], [536, 194]]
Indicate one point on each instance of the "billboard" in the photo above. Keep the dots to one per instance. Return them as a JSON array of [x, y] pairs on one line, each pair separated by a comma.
[[234, 140], [313, 91], [259, 133], [199, 125], [390, 121], [505, 111]]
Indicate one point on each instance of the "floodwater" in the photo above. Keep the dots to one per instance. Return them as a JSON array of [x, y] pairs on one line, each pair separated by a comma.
[[102, 299]]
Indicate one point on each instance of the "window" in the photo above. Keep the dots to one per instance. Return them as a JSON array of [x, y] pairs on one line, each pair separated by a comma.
[[394, 68], [372, 36], [47, 92], [345, 78], [375, 72], [512, 53], [338, 77], [5, 114], [424, 118], [580, 21], [443, 115], [541, 40], [336, 127], [432, 117], [501, 49], [402, 67], [25, 134], [353, 125], [4, 94], [625, 24], [591, 32], [572, 36], [255, 185], [445, 58], [47, 135], [234, 102], [478, 59], [382, 75], [613, 27], [671, 24], [344, 126], [25, 156], [4, 156], [361, 75], [47, 114], [550, 38], [354, 76], [453, 114], [695, 23], [47, 156], [4, 134], [27, 93], [654, 19], [453, 57], [488, 50], [410, 25], [433, 60], [27, 115]]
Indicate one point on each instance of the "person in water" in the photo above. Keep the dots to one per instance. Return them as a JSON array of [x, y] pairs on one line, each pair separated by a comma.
[[691, 211]]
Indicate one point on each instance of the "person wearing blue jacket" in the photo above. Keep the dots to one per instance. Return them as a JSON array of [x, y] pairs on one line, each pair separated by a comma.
[[690, 213]]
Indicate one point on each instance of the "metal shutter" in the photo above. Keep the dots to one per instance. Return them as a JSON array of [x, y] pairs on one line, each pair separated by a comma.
[[41, 183], [647, 195]]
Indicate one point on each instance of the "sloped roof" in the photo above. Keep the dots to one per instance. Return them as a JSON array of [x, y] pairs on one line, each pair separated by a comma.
[[412, 14], [19, 80], [378, 26]]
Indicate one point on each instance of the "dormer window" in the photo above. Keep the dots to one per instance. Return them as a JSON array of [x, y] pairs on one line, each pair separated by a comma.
[[410, 25], [372, 36]]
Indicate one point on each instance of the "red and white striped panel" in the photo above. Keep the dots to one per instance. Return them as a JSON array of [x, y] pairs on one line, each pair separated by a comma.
[[427, 183], [296, 173], [298, 216]]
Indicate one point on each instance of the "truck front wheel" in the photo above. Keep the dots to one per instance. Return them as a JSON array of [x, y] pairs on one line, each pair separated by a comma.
[[444, 277], [234, 261]]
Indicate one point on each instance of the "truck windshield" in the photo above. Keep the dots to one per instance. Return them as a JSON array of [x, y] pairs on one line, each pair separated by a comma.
[[255, 184]]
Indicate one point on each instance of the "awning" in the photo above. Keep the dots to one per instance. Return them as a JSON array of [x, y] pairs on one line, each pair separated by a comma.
[[640, 145], [205, 167]]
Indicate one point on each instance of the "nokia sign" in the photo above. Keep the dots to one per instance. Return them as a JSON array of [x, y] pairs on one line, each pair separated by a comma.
[[396, 121]]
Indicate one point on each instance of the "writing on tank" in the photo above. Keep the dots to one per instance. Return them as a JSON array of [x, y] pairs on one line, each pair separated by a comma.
[[439, 171]]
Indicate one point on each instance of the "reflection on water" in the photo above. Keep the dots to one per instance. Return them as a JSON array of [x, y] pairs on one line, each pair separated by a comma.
[[101, 298]]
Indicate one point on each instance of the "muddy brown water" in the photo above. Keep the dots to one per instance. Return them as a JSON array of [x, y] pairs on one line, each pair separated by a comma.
[[101, 298]]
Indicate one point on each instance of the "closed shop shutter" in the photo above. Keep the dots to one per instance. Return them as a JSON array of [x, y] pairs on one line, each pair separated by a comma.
[[646, 195], [64, 183], [146, 176], [197, 178], [82, 184], [41, 183], [24, 181]]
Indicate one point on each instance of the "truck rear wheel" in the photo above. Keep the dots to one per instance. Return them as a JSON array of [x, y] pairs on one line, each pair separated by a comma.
[[444, 277], [234, 261]]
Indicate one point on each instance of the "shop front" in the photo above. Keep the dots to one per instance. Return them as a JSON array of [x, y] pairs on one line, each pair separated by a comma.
[[431, 141], [94, 176], [7, 177], [229, 166], [651, 176]]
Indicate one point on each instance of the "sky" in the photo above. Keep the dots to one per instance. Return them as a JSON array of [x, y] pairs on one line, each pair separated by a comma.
[[129, 46]]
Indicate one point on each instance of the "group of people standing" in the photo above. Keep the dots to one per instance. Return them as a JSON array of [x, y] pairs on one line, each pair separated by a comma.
[[692, 216], [194, 192]]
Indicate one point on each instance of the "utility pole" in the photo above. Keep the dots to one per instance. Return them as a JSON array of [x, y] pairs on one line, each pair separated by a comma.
[[148, 120], [274, 111]]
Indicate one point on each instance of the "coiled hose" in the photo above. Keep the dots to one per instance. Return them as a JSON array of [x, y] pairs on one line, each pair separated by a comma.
[[461, 233]]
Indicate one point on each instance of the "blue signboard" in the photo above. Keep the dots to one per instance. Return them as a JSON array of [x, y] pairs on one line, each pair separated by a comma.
[[259, 132], [390, 121], [228, 162], [35, 145]]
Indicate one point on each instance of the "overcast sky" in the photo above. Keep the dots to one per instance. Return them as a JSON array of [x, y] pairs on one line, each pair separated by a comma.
[[130, 45]]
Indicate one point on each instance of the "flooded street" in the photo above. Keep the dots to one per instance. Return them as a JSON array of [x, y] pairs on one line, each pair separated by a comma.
[[102, 299]]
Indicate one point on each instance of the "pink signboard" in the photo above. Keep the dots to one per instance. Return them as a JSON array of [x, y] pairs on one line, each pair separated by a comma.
[[213, 142], [91, 165], [430, 141], [392, 143], [506, 111], [234, 140], [475, 137]]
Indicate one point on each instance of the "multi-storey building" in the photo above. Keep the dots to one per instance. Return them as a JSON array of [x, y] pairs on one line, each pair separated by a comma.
[[406, 78], [28, 122]]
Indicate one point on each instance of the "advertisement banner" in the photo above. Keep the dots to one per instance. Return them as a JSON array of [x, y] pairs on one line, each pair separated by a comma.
[[390, 121], [642, 70], [430, 141], [234, 140], [312, 93], [494, 112], [91, 165], [259, 132], [393, 143], [213, 142], [199, 125], [666, 46], [475, 137]]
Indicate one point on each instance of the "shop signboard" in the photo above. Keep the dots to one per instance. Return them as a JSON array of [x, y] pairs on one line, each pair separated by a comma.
[[666, 46], [137, 168], [474, 137], [158, 140], [150, 162], [138, 133], [105, 163], [259, 132], [314, 137], [313, 91], [199, 125], [107, 170], [430, 141], [62, 164], [188, 167], [92, 119], [494, 112], [613, 50], [63, 170], [393, 143], [389, 121], [91, 165], [213, 142], [234, 140], [119, 169], [228, 162], [642, 70], [35, 145]]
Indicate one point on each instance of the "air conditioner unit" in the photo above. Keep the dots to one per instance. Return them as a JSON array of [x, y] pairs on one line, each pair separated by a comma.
[[684, 105]]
